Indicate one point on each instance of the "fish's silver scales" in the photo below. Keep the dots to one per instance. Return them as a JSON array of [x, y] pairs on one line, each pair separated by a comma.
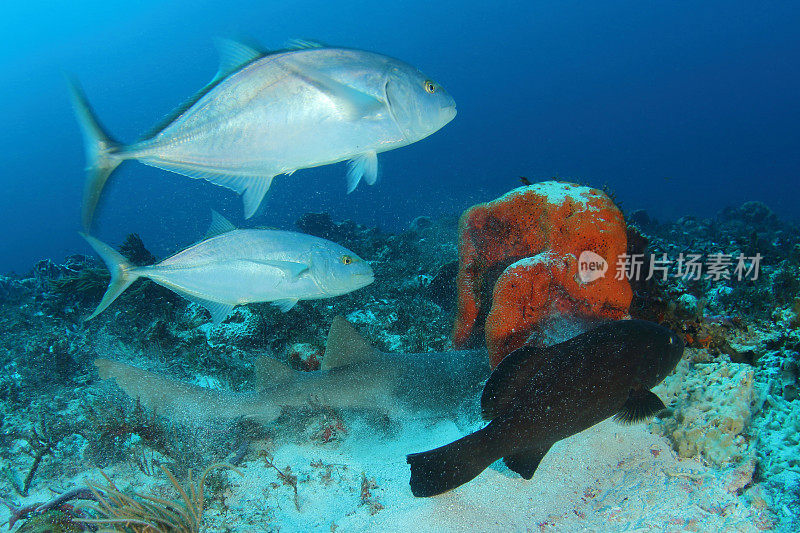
[[222, 267], [253, 100], [246, 244]]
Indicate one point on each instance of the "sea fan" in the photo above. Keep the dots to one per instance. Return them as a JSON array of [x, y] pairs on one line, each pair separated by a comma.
[[139, 513]]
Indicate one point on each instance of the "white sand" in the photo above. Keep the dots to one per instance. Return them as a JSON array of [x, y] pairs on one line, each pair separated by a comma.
[[608, 478]]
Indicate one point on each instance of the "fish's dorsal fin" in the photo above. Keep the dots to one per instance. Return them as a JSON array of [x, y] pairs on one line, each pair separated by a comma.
[[304, 44], [269, 371], [509, 379], [640, 405], [233, 55], [219, 225], [364, 165], [345, 345]]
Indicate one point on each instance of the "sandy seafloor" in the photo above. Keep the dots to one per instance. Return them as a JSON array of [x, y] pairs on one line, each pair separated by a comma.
[[611, 477], [724, 457], [607, 478]]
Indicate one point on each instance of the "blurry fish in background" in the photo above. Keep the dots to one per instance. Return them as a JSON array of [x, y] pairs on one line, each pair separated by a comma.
[[525, 181], [266, 114], [233, 267]]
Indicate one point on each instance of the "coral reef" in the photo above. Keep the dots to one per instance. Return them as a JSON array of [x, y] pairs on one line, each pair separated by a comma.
[[733, 402], [712, 411], [522, 252]]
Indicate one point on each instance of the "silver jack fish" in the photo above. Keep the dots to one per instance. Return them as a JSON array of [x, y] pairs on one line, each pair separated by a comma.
[[268, 114], [238, 266]]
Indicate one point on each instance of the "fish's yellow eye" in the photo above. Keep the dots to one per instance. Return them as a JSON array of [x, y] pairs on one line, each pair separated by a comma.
[[346, 259], [430, 87]]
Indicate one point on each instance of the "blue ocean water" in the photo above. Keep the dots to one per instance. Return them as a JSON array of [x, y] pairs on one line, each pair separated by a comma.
[[679, 107]]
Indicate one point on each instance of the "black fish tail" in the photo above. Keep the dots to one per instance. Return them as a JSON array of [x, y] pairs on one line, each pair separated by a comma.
[[447, 467]]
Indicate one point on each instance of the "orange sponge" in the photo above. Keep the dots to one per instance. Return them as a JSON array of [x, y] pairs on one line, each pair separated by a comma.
[[519, 255]]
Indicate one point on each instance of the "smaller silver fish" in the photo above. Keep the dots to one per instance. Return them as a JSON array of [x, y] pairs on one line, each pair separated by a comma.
[[233, 267]]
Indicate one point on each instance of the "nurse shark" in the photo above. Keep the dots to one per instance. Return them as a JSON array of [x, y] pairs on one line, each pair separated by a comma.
[[353, 375]]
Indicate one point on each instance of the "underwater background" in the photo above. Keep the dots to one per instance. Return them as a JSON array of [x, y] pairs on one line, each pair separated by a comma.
[[677, 121], [680, 108]]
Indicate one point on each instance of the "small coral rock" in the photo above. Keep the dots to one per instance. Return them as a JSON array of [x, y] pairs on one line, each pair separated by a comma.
[[304, 356], [518, 262]]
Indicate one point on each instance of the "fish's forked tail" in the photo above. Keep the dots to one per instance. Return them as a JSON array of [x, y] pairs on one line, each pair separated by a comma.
[[102, 156], [450, 466], [122, 272]]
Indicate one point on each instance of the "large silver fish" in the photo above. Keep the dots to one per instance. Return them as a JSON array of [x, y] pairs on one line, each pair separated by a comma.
[[237, 266], [268, 114], [354, 375]]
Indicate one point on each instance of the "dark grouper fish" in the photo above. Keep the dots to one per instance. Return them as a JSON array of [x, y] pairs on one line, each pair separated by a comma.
[[266, 114], [538, 396]]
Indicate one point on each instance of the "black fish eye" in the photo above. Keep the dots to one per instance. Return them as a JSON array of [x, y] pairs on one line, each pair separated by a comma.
[[430, 87]]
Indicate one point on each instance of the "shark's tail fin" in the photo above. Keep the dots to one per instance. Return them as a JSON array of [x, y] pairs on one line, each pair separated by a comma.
[[153, 390], [102, 156], [345, 345], [184, 401], [447, 467], [122, 272]]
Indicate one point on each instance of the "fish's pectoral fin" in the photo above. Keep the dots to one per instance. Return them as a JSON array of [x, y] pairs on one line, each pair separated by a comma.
[[348, 101], [364, 165], [345, 346], [640, 405], [525, 463], [290, 268], [285, 304], [219, 225], [233, 55]]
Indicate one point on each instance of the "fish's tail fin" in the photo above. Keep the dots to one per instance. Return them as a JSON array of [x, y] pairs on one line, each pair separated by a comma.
[[183, 401], [102, 152], [450, 466], [122, 272]]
